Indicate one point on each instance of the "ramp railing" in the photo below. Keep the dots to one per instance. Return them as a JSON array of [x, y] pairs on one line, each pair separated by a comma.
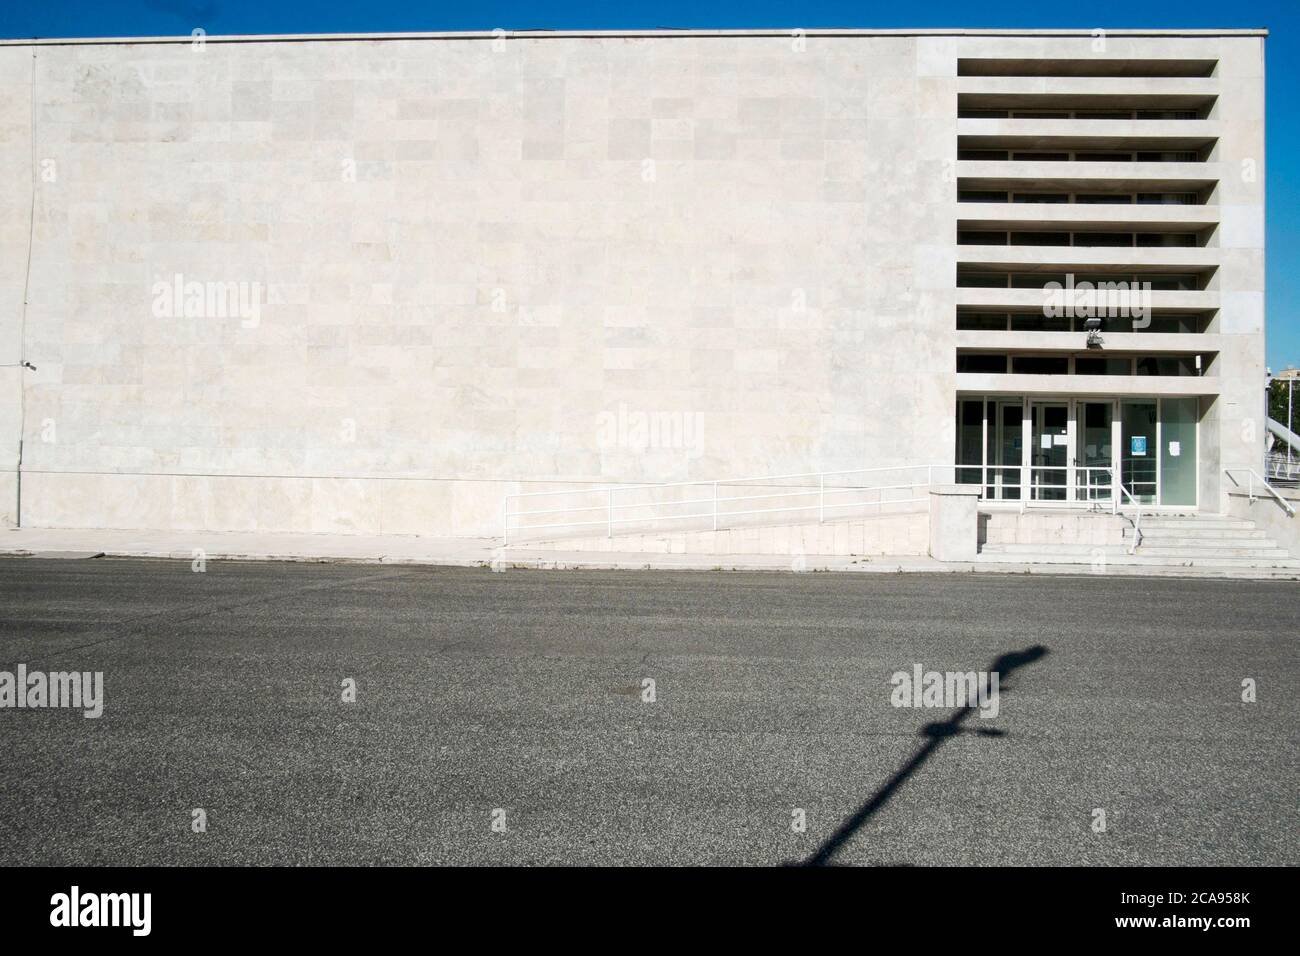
[[1253, 482], [722, 503]]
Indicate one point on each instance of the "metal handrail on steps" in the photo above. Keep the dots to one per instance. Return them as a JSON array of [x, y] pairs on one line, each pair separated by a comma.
[[1137, 516], [1250, 487]]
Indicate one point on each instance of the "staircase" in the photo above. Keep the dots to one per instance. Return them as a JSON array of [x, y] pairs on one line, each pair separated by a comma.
[[1204, 542]]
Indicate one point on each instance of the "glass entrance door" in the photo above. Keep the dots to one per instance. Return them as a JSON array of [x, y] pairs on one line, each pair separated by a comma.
[[1077, 450], [1050, 454], [1178, 451], [1006, 443], [1138, 448], [1094, 450]]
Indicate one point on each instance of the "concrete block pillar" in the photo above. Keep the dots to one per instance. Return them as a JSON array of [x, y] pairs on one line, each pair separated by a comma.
[[954, 522]]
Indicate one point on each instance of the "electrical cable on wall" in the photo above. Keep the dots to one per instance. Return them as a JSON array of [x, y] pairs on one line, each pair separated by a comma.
[[22, 321]]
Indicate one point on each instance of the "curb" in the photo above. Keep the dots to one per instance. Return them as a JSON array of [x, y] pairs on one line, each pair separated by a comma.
[[714, 563]]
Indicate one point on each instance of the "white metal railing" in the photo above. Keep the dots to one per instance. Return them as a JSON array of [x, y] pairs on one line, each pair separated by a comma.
[[1253, 479], [725, 503], [697, 505], [1282, 469], [1068, 484], [1055, 484], [1137, 517]]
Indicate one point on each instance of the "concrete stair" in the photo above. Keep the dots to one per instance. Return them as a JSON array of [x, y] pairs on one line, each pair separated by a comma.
[[1209, 543]]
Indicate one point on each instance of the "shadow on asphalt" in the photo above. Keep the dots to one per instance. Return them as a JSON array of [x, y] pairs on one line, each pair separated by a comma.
[[935, 734]]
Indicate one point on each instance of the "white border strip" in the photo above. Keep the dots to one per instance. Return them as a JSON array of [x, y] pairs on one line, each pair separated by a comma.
[[647, 34]]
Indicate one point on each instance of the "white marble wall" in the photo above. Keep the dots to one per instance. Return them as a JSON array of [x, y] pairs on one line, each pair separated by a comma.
[[15, 220], [480, 265]]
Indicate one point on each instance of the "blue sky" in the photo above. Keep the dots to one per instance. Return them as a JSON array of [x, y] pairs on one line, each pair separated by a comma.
[[48, 18]]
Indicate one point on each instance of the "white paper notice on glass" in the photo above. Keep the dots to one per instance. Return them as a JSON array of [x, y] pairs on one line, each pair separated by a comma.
[[1046, 441], [1175, 449], [1061, 439]]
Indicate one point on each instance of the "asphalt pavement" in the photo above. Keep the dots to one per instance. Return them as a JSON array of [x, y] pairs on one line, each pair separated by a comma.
[[508, 718]]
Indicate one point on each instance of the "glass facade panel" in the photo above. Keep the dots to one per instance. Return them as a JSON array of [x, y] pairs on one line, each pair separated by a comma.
[[1051, 451], [970, 438], [982, 362], [1040, 364], [1138, 449], [1102, 366], [1006, 440], [1178, 451], [1093, 455], [1072, 456], [982, 321], [1037, 322]]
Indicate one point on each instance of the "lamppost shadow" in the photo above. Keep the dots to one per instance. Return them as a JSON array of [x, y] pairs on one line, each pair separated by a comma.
[[935, 734]]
